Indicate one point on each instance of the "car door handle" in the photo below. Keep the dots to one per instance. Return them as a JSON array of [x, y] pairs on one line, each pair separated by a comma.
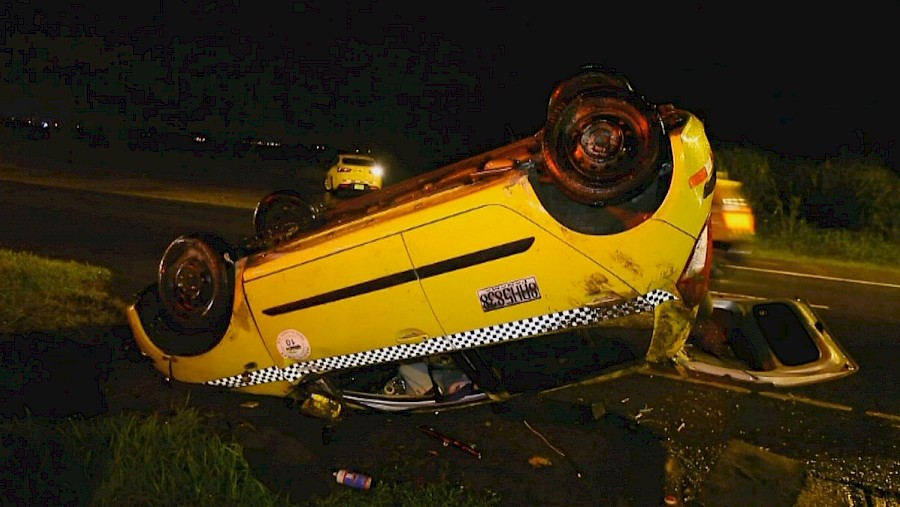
[[412, 336]]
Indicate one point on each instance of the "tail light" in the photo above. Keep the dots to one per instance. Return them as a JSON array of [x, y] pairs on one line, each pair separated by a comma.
[[739, 221], [694, 281]]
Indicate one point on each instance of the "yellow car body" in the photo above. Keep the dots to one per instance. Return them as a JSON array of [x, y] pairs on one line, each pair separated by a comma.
[[354, 172], [487, 252]]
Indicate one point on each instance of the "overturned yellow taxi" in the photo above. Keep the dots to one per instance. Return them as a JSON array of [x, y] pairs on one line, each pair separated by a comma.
[[574, 252]]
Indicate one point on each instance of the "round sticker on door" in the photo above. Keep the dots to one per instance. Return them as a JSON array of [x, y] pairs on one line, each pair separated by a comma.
[[293, 345]]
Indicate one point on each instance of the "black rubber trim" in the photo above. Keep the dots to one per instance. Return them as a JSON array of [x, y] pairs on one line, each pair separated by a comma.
[[428, 271], [710, 185]]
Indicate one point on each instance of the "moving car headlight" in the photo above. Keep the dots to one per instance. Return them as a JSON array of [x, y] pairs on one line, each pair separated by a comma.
[[378, 171]]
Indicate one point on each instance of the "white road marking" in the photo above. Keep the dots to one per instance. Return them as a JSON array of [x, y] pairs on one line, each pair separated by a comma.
[[804, 399], [882, 415], [769, 394], [728, 387], [819, 277], [731, 295]]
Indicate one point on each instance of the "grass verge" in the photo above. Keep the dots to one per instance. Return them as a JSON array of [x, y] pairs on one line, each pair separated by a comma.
[[44, 294], [170, 457], [837, 247]]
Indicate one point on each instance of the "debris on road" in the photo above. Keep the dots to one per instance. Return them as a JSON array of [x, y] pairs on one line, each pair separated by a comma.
[[448, 441], [352, 479], [539, 462], [567, 458]]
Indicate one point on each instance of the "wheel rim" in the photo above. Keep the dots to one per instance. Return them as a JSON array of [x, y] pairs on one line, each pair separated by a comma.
[[193, 287], [282, 222], [601, 143], [194, 284], [282, 216]]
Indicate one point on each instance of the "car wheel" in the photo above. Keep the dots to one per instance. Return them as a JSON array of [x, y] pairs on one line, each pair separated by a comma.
[[601, 141], [196, 285], [282, 215]]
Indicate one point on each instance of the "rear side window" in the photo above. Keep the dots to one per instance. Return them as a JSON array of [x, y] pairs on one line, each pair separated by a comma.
[[786, 334]]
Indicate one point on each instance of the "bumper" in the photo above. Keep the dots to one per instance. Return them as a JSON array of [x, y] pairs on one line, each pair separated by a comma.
[[356, 186], [232, 355]]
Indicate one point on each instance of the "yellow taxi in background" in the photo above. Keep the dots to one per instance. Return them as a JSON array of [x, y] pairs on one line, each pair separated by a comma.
[[353, 172], [575, 252], [732, 223]]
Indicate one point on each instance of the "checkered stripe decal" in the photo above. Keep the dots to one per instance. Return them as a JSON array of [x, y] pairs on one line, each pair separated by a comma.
[[250, 378], [508, 331]]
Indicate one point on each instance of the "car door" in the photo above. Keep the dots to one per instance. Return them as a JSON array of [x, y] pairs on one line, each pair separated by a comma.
[[781, 342], [491, 265], [342, 304]]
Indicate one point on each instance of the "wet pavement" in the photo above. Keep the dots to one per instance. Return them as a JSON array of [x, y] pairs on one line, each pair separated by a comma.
[[840, 457]]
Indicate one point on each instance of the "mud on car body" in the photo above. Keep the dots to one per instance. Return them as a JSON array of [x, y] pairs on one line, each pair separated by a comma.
[[574, 252]]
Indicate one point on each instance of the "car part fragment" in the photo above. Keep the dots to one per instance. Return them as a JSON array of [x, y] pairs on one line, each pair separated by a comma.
[[779, 342], [196, 282]]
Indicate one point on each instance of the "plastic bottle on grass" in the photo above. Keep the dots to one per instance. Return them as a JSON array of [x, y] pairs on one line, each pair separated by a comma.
[[354, 480]]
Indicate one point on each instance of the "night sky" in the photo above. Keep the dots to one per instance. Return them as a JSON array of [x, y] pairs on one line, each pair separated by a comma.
[[801, 82]]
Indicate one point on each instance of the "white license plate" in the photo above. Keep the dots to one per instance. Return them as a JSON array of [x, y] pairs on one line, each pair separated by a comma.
[[359, 186], [509, 294]]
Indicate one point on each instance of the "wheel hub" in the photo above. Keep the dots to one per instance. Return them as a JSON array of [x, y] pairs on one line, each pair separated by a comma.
[[190, 281]]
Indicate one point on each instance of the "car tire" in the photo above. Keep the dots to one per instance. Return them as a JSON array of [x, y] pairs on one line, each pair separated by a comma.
[[602, 140], [282, 215], [196, 284]]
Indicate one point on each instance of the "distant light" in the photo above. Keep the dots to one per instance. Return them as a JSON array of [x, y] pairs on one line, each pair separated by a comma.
[[44, 124]]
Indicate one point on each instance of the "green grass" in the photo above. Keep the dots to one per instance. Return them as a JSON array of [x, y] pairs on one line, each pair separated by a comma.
[[829, 246], [394, 494], [171, 457], [39, 294], [162, 460], [839, 209]]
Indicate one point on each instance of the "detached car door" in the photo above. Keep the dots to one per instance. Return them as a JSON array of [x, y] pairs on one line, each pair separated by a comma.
[[780, 342]]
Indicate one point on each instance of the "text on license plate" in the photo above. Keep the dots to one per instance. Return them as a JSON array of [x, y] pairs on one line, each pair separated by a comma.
[[509, 294], [359, 186]]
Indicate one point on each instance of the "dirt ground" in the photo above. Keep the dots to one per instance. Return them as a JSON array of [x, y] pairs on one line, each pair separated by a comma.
[[534, 451]]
